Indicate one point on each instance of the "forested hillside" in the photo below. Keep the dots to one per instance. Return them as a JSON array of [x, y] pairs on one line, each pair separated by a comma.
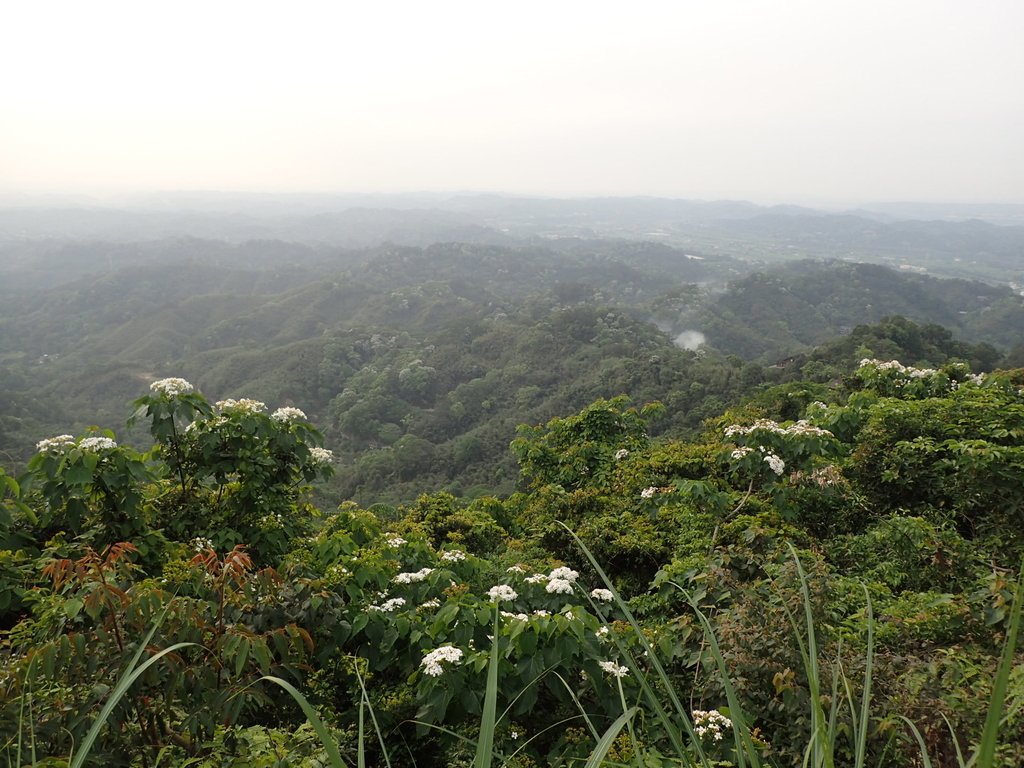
[[419, 362]]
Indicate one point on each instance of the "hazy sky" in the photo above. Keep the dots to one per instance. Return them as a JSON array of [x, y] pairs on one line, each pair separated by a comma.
[[802, 101]]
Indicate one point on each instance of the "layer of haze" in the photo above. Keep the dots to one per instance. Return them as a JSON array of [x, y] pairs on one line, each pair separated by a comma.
[[799, 101]]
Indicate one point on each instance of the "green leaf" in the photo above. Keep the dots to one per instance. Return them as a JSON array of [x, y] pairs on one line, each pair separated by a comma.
[[73, 606]]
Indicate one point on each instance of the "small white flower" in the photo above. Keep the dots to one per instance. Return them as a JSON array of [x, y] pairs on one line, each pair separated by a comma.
[[564, 573], [542, 613], [602, 634], [389, 605], [171, 387], [245, 405], [201, 544], [739, 453], [776, 464], [97, 444], [516, 616], [287, 414], [412, 578], [453, 556], [648, 493], [613, 669], [559, 587], [515, 569], [604, 595], [320, 456], [537, 578], [57, 444], [432, 603], [431, 663], [621, 454], [502, 592], [395, 541]]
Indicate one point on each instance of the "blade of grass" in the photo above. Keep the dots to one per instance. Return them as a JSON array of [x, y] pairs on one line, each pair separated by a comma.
[[485, 742], [925, 760], [986, 754], [373, 717], [330, 745], [653, 700], [608, 738], [130, 675]]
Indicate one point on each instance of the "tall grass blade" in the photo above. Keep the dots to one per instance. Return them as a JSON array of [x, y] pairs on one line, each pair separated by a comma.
[[130, 675], [986, 754], [925, 760], [655, 701], [608, 738], [485, 743], [861, 747], [373, 719], [330, 745], [745, 748]]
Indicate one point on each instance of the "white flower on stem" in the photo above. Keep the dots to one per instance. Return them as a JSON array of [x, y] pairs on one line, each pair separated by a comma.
[[604, 595], [621, 454], [613, 669], [537, 578], [776, 464], [453, 556], [390, 605], [559, 587], [245, 405], [710, 723], [648, 493], [57, 444], [564, 573], [287, 414], [320, 456], [171, 387], [515, 569], [431, 663], [413, 577], [97, 444], [394, 540], [602, 634], [502, 592]]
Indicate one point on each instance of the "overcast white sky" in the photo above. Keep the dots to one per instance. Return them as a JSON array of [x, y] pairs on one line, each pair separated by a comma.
[[808, 101]]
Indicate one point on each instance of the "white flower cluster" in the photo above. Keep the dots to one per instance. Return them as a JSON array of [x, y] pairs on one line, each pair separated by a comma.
[[57, 444], [613, 669], [740, 452], [321, 456], [560, 581], [432, 661], [201, 544], [413, 577], [394, 540], [502, 592], [336, 571], [453, 556], [97, 444], [604, 595], [270, 522], [648, 493], [245, 405], [515, 569], [537, 578], [776, 464], [621, 454], [389, 605], [602, 634], [802, 427], [288, 414], [171, 387], [517, 616], [431, 603], [710, 723]]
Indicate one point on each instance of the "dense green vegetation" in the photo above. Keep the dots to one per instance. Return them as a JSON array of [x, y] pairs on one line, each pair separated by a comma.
[[899, 488], [418, 363], [566, 498]]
